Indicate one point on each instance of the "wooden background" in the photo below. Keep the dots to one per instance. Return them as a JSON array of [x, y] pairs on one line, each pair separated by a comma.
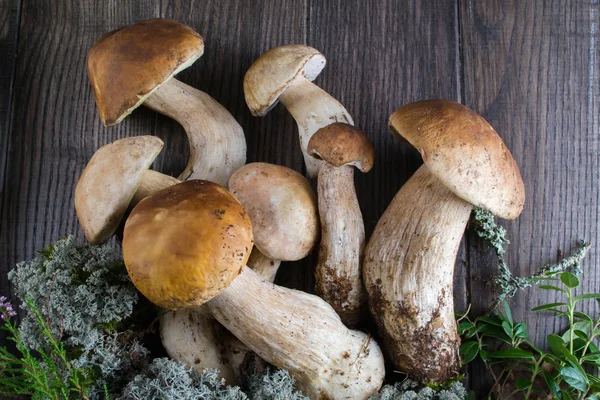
[[530, 67]]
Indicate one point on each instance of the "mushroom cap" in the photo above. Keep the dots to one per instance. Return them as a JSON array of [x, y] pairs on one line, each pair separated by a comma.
[[269, 76], [185, 244], [464, 152], [282, 207], [342, 144], [108, 183], [126, 65]]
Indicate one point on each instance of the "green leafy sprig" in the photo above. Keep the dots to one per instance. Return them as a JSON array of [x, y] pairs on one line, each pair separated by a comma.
[[519, 368]]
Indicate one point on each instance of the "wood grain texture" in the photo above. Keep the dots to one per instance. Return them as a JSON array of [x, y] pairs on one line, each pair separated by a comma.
[[9, 33], [531, 68]]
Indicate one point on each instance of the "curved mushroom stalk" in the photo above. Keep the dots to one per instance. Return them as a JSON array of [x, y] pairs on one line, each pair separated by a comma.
[[409, 271], [312, 108], [188, 338], [217, 142], [303, 334], [264, 266], [338, 271]]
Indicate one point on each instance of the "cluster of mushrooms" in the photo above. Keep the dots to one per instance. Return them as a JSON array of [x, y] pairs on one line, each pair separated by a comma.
[[205, 246]]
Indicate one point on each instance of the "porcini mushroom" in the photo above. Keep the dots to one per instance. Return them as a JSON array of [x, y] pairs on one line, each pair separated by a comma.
[[283, 210], [136, 65], [188, 244], [286, 73], [410, 258], [338, 274], [110, 181]]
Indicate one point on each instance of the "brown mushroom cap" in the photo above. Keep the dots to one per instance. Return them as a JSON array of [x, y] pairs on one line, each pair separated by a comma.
[[108, 183], [282, 208], [269, 76], [126, 65], [185, 244], [342, 144], [464, 152]]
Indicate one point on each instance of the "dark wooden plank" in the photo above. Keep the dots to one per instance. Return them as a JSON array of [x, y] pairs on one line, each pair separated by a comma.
[[55, 125], [9, 29], [236, 34], [531, 68]]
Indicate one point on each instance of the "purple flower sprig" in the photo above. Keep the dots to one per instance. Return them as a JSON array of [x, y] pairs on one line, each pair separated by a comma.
[[6, 308]]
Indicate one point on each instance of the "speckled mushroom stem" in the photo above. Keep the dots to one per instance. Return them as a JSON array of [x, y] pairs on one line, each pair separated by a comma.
[[217, 142], [312, 108], [408, 272], [264, 266], [338, 271], [302, 334]]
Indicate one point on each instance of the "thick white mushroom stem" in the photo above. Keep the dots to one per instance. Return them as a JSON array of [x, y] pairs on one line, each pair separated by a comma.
[[303, 334], [264, 266], [408, 271], [312, 108], [338, 271], [194, 339], [217, 142]]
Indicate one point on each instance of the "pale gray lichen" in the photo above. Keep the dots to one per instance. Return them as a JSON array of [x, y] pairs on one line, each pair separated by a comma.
[[410, 390], [84, 293], [272, 384], [484, 225], [166, 379]]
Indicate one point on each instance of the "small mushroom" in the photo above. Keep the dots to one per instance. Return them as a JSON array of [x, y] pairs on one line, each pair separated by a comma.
[[136, 65], [409, 260], [283, 210], [286, 73], [338, 273], [187, 245], [110, 181]]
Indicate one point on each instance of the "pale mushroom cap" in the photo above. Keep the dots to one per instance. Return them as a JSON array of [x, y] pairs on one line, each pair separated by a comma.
[[464, 152], [342, 144], [282, 207], [126, 65], [269, 76], [185, 244], [108, 183]]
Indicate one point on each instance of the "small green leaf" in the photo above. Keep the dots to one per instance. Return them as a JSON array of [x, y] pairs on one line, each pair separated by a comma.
[[464, 326], [575, 378], [468, 351], [557, 344], [592, 397], [570, 280], [507, 313], [582, 316], [550, 287], [494, 320], [507, 329], [513, 353], [495, 332], [548, 306], [485, 355], [552, 385], [587, 296], [522, 384], [521, 330], [593, 357]]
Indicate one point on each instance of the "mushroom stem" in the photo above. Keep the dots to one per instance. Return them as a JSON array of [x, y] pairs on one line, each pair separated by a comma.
[[303, 334], [217, 142], [312, 108], [152, 181], [338, 271], [264, 266], [409, 270], [190, 337]]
